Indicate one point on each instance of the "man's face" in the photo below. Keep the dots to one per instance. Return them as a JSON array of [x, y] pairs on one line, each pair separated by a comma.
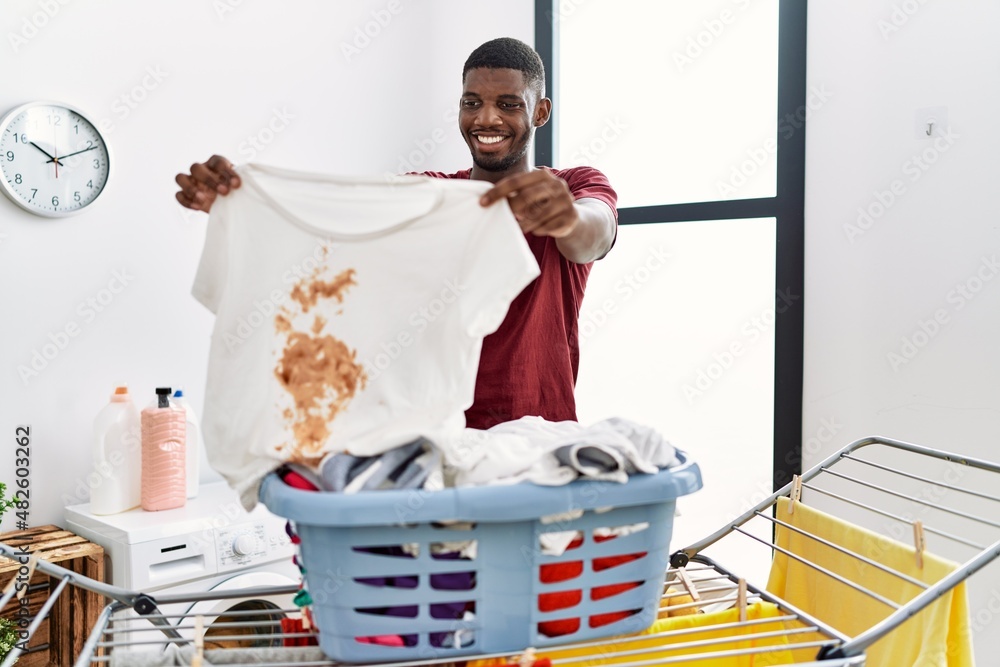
[[498, 114]]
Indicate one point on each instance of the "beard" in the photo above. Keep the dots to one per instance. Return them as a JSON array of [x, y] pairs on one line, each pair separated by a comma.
[[497, 163]]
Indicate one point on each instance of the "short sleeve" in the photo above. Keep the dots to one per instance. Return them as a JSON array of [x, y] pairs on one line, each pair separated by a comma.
[[590, 183], [498, 265], [210, 280]]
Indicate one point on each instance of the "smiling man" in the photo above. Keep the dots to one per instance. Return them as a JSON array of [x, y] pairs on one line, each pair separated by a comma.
[[529, 365]]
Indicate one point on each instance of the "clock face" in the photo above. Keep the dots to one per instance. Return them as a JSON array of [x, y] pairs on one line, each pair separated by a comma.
[[53, 161]]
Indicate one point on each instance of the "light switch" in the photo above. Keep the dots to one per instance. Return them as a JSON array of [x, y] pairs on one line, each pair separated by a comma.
[[931, 122]]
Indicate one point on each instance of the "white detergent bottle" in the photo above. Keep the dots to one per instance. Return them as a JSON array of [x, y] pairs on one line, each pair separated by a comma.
[[192, 444], [117, 456]]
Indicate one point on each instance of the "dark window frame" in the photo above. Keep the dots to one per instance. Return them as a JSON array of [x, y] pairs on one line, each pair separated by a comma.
[[787, 207]]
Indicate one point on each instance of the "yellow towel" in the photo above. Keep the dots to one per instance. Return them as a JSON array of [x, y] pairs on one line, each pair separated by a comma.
[[937, 637], [658, 648]]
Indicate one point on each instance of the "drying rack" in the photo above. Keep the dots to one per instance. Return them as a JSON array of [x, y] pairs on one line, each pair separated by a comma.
[[871, 480]]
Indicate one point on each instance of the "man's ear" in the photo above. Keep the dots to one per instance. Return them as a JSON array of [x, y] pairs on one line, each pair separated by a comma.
[[542, 111]]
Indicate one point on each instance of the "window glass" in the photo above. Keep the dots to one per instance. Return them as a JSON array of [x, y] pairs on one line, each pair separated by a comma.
[[675, 101], [677, 332]]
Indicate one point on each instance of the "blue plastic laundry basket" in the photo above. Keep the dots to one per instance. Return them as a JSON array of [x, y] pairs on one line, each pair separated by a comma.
[[387, 579]]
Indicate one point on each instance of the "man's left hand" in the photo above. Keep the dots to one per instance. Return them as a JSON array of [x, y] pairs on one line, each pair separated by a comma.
[[541, 202]]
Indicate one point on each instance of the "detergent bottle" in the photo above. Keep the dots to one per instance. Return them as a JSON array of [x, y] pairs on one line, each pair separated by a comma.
[[164, 459], [192, 444], [117, 452]]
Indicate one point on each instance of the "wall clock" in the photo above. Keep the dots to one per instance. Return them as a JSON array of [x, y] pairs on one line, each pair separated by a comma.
[[53, 160]]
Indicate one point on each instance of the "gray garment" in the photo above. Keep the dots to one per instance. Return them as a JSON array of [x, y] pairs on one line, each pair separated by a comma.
[[405, 467]]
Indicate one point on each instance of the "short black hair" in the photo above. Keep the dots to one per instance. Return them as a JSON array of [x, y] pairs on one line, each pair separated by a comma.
[[509, 53]]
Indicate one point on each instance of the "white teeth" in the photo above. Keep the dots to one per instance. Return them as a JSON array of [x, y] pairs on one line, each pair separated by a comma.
[[490, 140]]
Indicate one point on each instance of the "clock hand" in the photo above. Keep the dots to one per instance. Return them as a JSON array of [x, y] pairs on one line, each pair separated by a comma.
[[43, 150], [71, 154]]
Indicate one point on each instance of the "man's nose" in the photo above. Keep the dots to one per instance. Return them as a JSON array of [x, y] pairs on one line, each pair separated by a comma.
[[488, 116]]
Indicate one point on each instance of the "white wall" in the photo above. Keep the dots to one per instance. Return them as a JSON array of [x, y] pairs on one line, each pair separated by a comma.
[[871, 285], [226, 70]]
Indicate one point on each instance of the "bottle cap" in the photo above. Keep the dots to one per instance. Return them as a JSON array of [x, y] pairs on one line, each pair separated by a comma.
[[163, 397], [121, 394], [179, 393]]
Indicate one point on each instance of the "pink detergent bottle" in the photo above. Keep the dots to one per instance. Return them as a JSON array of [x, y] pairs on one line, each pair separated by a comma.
[[164, 457]]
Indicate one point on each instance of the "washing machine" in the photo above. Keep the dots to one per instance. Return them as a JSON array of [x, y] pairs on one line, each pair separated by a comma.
[[211, 544]]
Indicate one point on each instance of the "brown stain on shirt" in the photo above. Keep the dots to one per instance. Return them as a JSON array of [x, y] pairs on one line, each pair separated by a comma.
[[320, 372], [307, 292]]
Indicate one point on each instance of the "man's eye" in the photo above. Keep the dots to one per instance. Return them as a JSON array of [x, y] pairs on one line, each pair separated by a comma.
[[509, 105], [468, 104]]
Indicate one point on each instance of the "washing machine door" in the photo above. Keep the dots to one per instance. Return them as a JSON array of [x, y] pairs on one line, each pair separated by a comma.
[[241, 622]]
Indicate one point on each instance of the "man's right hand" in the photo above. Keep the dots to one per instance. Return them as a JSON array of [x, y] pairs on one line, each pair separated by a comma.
[[206, 181]]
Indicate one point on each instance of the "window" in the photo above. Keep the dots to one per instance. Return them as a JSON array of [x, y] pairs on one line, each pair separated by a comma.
[[694, 323]]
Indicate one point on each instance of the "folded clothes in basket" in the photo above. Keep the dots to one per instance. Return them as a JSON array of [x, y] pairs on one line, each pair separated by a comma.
[[529, 449], [555, 453]]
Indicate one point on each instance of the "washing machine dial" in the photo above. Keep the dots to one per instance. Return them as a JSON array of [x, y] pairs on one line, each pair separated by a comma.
[[245, 544]]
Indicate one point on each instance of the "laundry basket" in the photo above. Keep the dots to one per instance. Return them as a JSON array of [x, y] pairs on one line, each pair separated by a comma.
[[433, 574]]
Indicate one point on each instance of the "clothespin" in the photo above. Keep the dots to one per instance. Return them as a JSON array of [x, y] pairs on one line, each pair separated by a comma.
[[919, 543], [199, 641], [526, 659], [796, 493], [741, 599], [688, 584], [306, 625]]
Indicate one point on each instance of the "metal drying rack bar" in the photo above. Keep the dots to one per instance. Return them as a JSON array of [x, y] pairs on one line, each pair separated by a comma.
[[928, 593], [715, 587]]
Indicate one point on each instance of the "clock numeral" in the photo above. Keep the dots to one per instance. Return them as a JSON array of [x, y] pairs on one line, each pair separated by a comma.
[[17, 178], [54, 120], [55, 201], [97, 164], [76, 196], [22, 138], [76, 128], [90, 184], [10, 156], [34, 191]]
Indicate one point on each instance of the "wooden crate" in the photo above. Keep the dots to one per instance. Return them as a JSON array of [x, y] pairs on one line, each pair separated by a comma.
[[59, 639]]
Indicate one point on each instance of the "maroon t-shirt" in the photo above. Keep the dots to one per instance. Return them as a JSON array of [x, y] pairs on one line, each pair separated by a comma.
[[529, 365]]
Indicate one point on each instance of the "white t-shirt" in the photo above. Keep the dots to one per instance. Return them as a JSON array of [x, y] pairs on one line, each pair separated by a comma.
[[350, 313]]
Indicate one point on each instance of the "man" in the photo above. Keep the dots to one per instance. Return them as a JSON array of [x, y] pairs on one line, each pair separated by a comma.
[[529, 365]]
